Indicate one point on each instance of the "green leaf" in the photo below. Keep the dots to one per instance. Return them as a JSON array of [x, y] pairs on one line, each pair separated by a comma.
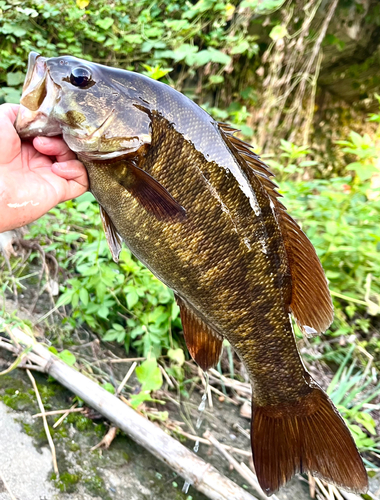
[[15, 79], [149, 375], [103, 311], [105, 23], [278, 32], [215, 79], [83, 295], [132, 299], [108, 387], [240, 48], [217, 56], [110, 336], [177, 355], [67, 357]]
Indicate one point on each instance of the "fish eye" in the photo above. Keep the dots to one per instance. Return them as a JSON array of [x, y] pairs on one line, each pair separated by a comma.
[[80, 77]]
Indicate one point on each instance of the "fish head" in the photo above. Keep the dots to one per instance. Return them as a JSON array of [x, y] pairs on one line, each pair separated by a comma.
[[98, 117]]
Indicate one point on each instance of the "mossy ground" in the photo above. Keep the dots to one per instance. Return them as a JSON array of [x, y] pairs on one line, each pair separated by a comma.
[[80, 468]]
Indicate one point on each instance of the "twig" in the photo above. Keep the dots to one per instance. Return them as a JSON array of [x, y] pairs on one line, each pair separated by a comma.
[[107, 439], [239, 428], [234, 384], [7, 487], [126, 378], [206, 386], [203, 440], [311, 485], [246, 473], [46, 427], [67, 412], [166, 376], [322, 488], [59, 412], [220, 393], [118, 360]]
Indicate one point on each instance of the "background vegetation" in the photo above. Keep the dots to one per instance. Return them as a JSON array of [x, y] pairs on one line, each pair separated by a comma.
[[267, 67]]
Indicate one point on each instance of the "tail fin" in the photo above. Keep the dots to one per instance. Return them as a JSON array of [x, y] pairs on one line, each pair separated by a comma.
[[309, 435]]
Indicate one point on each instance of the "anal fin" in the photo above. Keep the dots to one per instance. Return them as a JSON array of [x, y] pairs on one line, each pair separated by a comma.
[[204, 344], [114, 239]]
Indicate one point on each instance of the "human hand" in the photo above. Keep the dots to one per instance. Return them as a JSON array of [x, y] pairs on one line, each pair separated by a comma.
[[31, 182]]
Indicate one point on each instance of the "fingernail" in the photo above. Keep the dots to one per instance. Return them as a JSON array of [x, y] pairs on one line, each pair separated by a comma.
[[41, 140], [62, 164]]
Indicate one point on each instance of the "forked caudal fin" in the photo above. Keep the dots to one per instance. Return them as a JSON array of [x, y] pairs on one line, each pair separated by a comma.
[[309, 435]]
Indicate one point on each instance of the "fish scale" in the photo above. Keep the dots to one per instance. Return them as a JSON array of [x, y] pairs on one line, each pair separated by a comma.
[[198, 208]]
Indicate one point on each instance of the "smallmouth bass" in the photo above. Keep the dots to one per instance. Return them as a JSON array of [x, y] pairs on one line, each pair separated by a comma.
[[198, 208]]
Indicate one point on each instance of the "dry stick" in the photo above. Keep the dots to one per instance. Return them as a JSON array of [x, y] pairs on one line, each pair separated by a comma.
[[337, 493], [246, 473], [59, 412], [49, 438], [107, 439], [220, 393], [73, 409], [118, 360], [7, 487], [206, 387], [193, 437], [126, 378], [166, 376], [203, 476]]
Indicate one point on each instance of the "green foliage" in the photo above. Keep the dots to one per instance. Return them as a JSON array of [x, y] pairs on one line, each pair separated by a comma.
[[352, 392], [150, 377], [340, 216], [161, 40]]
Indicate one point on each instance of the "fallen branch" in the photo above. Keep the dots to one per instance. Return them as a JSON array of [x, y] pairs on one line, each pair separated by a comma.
[[201, 475]]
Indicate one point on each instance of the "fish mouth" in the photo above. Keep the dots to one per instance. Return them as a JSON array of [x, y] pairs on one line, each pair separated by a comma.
[[37, 101]]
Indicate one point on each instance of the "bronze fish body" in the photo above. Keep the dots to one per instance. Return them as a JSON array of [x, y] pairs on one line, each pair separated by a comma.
[[198, 208]]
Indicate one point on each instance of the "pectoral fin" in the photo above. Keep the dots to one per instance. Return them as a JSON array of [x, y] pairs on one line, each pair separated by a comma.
[[204, 344], [151, 194], [113, 237]]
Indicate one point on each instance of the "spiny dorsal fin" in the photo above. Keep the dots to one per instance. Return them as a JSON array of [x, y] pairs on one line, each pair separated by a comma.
[[311, 303], [114, 239], [205, 346]]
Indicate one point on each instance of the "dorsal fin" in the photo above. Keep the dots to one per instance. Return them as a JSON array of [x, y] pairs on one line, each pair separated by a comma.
[[311, 303], [205, 346]]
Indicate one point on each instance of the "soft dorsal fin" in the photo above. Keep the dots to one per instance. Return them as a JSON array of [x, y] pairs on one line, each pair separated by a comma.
[[205, 346], [311, 303], [114, 239], [154, 197]]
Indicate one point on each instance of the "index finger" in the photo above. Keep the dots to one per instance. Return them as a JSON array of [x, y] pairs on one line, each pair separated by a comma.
[[54, 146], [10, 143]]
